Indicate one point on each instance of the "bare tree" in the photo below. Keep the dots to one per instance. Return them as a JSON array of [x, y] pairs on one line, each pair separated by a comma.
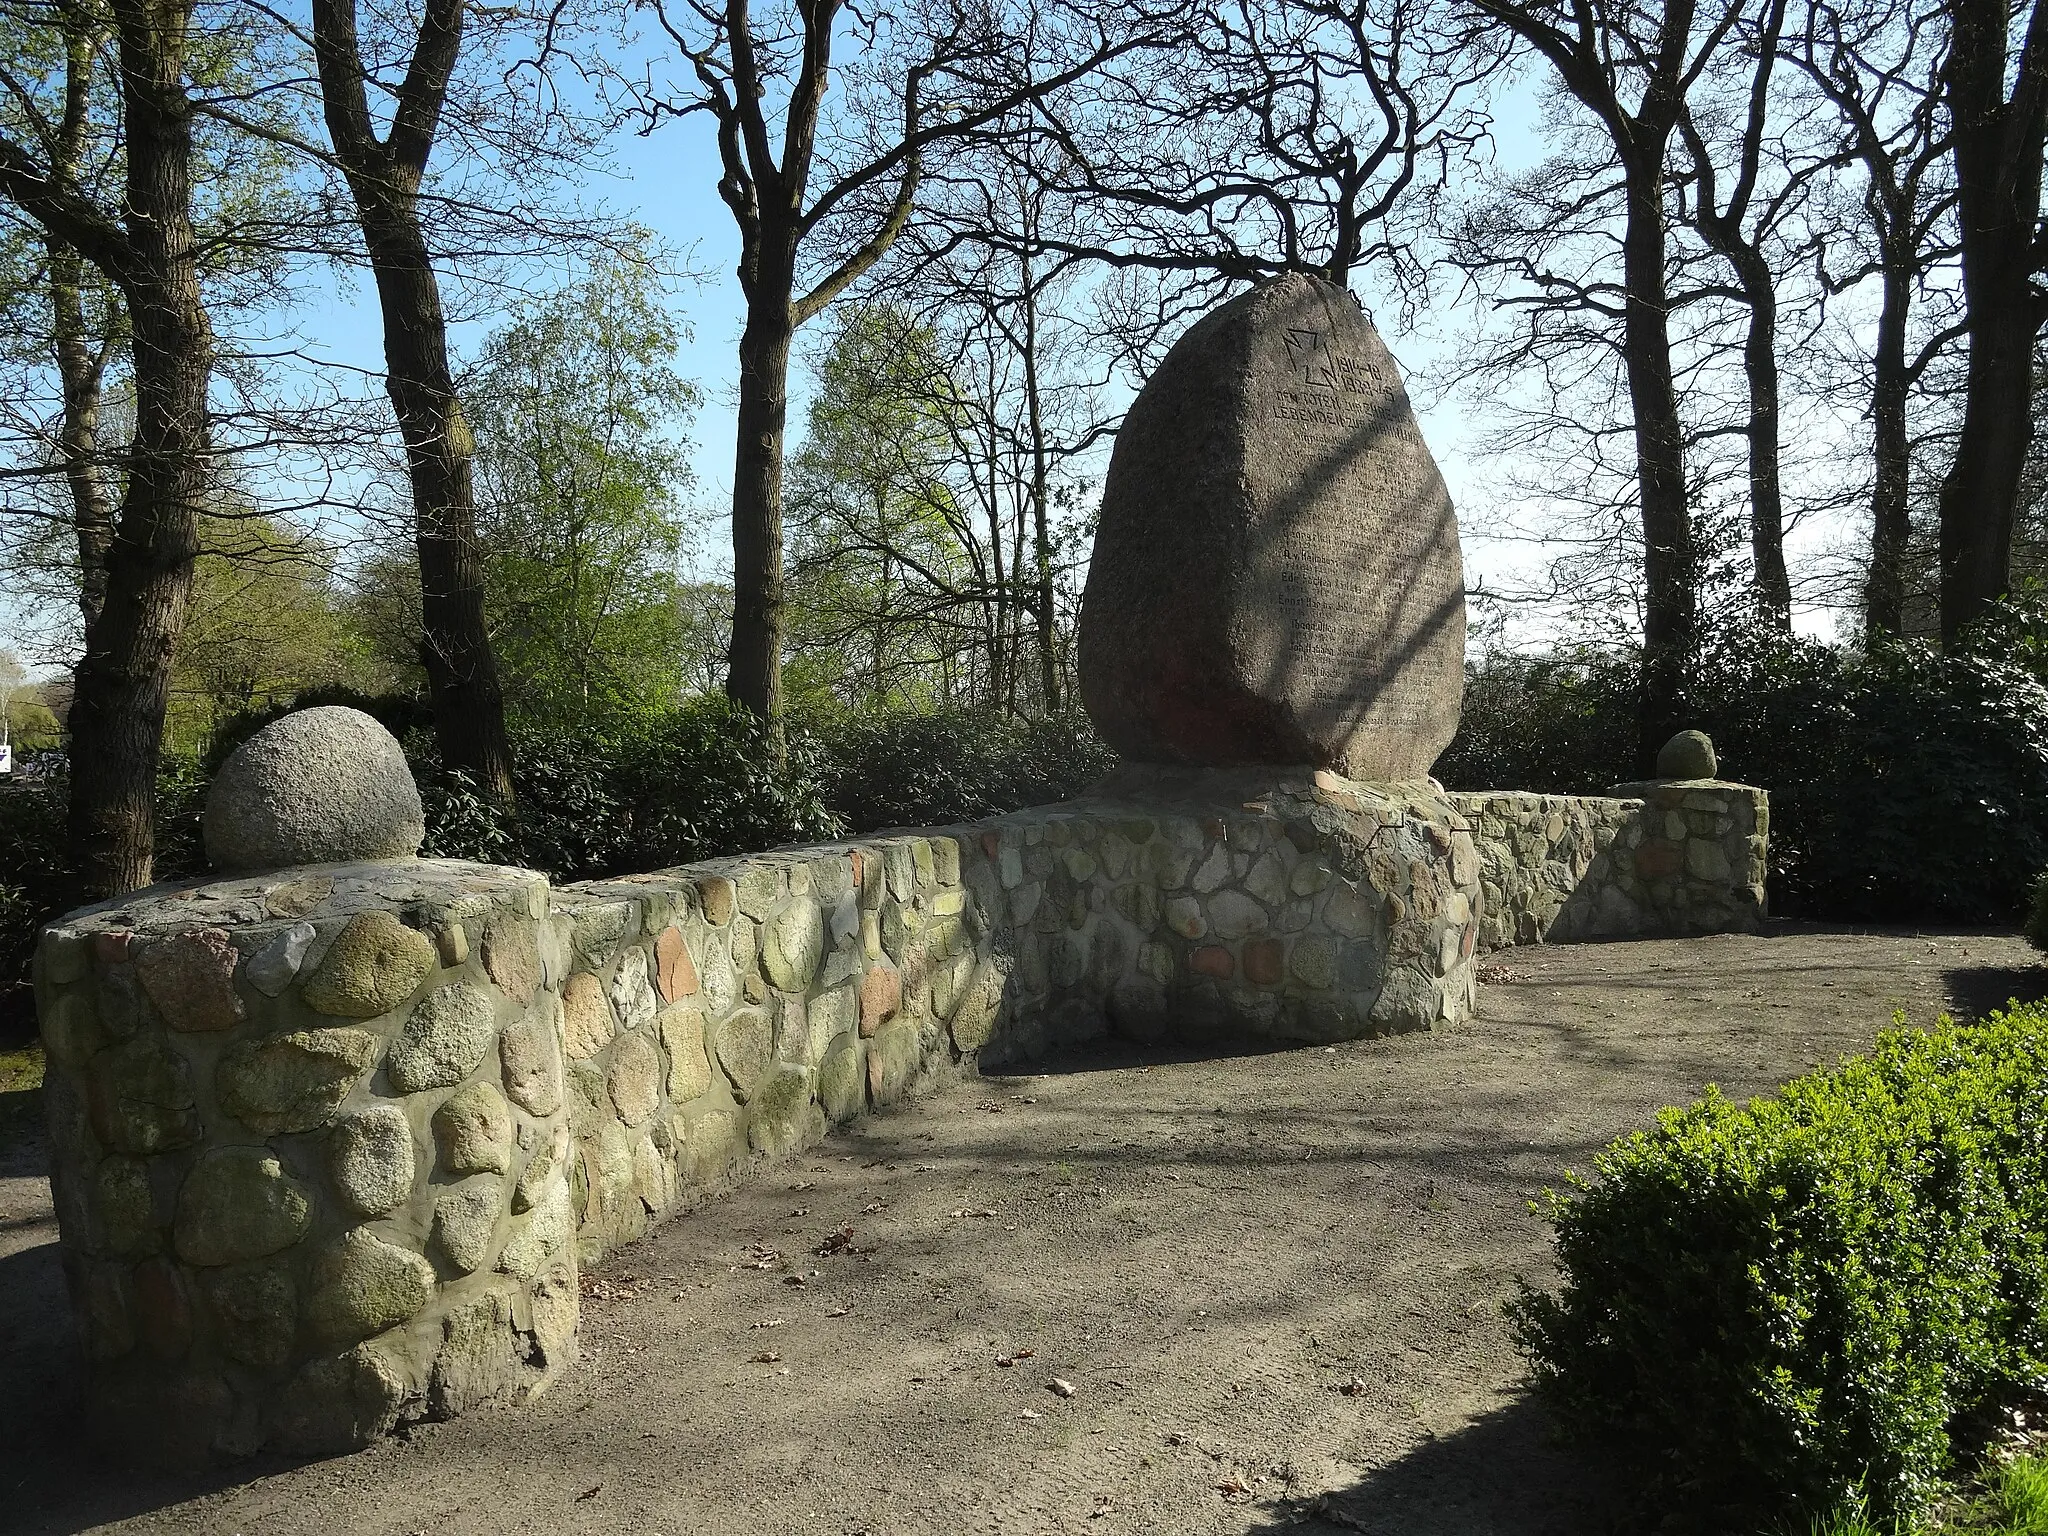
[[1602, 55], [820, 207], [385, 174], [1880, 70], [1312, 135], [1026, 324], [81, 355], [1998, 111], [145, 245], [1739, 229]]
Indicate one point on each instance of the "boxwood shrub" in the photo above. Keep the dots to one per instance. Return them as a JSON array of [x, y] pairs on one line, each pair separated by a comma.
[[1820, 1299]]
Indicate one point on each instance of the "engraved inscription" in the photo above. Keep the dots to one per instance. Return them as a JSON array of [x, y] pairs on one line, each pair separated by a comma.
[[1310, 351], [1362, 378], [1321, 378], [1319, 406]]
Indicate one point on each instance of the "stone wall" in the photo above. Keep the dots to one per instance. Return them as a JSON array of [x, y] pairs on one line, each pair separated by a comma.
[[330, 1144], [1665, 857], [741, 1007], [310, 1152]]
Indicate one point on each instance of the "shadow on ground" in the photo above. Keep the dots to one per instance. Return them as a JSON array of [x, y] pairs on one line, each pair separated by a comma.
[[1506, 1474], [57, 1476], [1977, 990], [1119, 1053]]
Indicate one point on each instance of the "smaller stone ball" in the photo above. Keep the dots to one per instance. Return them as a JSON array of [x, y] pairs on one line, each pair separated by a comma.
[[319, 786], [1688, 755]]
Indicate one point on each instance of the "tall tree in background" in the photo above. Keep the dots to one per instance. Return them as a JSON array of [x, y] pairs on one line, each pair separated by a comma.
[[1063, 417], [146, 247], [80, 349], [265, 623], [1997, 144], [1027, 335], [1880, 70], [1601, 57], [1737, 216], [65, 388], [935, 456], [385, 174], [820, 207], [877, 570], [582, 468]]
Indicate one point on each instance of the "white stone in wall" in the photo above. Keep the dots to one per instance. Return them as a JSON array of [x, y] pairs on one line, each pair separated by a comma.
[[632, 993]]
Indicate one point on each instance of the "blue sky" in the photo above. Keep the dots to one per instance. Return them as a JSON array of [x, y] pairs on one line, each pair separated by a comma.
[[667, 182]]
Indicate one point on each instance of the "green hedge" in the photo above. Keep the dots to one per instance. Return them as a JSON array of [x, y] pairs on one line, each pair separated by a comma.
[[1905, 784], [1777, 1310], [625, 795], [639, 794], [907, 768]]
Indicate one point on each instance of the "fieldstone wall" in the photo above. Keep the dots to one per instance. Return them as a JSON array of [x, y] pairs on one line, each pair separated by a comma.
[[330, 1144], [742, 1006], [1665, 857], [310, 1152]]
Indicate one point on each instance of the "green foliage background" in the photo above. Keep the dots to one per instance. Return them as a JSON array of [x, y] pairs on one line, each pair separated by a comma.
[[1906, 784]]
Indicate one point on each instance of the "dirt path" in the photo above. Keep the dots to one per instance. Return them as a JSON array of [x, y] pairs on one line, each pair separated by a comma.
[[1273, 1283]]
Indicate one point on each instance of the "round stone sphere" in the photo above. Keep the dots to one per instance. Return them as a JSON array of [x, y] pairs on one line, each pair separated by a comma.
[[1688, 755], [320, 786]]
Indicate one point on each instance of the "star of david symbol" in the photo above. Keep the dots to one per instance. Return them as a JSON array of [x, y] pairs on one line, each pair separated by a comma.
[[1310, 353]]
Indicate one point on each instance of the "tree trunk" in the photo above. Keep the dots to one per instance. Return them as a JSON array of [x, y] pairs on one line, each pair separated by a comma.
[[1671, 603], [1998, 199], [1981, 491], [1766, 498], [79, 378], [754, 662], [122, 682], [878, 631], [997, 604], [1014, 644], [80, 370], [384, 178], [1048, 665], [462, 668], [1884, 595]]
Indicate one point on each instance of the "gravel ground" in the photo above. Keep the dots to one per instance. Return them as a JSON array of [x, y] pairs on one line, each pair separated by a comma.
[[1235, 1293]]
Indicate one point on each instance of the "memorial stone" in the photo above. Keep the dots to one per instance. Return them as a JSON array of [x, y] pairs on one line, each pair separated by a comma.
[[1276, 577]]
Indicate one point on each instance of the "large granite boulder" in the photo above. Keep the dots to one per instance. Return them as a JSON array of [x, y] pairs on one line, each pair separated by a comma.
[[321, 786], [1276, 577]]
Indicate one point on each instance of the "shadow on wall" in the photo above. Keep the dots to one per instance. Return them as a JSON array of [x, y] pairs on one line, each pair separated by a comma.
[[1673, 858], [55, 1477], [1503, 1475]]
